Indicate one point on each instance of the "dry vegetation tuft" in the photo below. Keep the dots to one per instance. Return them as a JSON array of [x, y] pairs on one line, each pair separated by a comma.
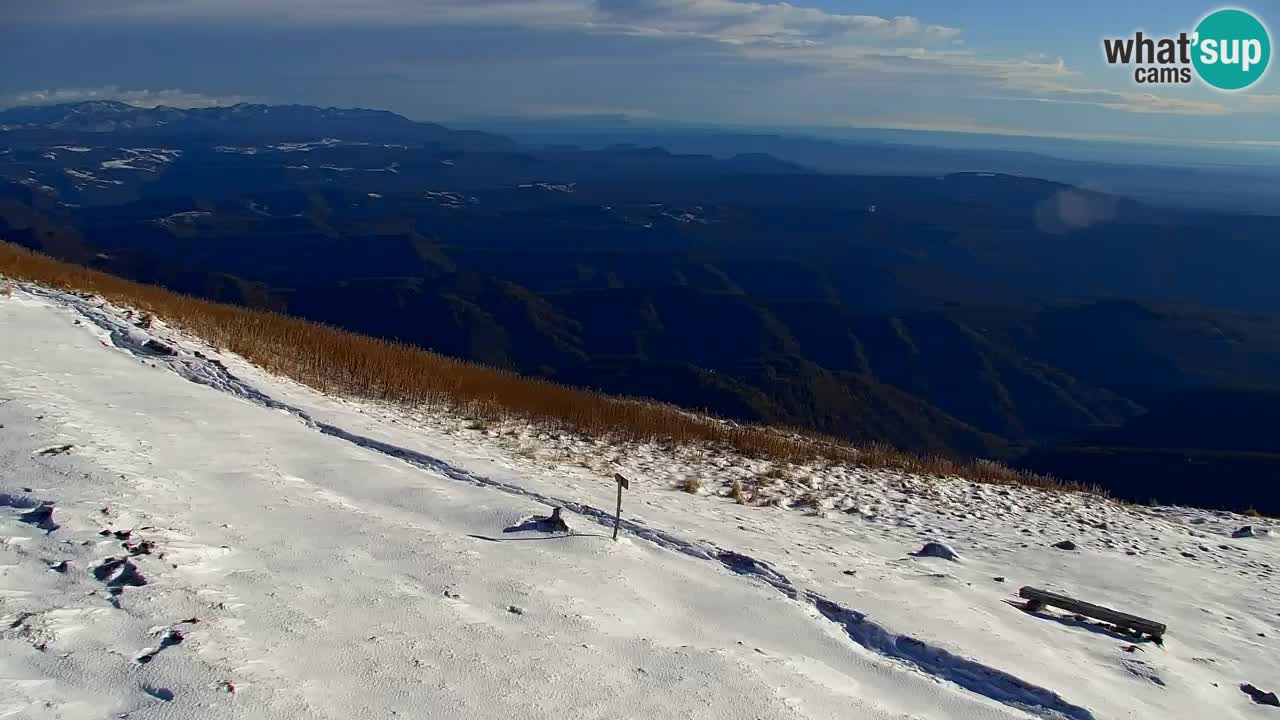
[[340, 362]]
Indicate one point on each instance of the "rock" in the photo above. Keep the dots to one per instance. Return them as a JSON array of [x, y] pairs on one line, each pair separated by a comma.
[[1065, 545], [143, 548], [998, 578], [551, 523], [158, 347], [1244, 532], [937, 550], [515, 609], [41, 517], [1260, 697], [850, 572]]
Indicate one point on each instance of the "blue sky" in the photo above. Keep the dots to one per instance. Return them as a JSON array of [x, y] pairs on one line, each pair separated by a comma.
[[1014, 68]]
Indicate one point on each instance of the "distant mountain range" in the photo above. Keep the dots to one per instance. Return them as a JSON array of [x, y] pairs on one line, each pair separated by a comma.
[[243, 122], [1230, 179], [978, 313]]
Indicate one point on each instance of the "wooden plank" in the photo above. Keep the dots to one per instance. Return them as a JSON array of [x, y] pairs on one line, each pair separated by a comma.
[[1038, 598]]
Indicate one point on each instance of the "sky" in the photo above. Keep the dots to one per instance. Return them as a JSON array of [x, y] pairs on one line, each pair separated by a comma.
[[1007, 68]]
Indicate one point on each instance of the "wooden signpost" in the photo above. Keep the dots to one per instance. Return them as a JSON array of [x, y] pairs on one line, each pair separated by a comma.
[[617, 519]]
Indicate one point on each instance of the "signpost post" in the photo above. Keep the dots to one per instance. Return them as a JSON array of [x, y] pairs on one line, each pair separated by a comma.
[[617, 520]]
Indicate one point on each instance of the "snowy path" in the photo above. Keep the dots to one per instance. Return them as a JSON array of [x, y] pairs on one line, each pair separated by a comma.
[[337, 566]]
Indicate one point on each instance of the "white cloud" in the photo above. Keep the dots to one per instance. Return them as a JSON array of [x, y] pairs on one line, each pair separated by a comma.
[[853, 49], [734, 22], [956, 124], [1260, 103], [571, 111], [738, 22], [140, 98], [1134, 102]]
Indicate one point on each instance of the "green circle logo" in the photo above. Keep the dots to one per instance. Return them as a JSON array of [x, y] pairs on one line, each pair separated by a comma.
[[1232, 49]]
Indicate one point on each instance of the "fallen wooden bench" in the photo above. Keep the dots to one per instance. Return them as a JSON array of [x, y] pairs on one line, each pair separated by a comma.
[[1037, 599]]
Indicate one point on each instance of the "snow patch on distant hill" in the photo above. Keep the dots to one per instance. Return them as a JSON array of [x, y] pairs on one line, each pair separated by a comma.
[[142, 159], [88, 177], [306, 146]]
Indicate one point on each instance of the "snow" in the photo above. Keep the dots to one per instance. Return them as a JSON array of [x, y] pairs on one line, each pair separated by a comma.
[[89, 177], [307, 146], [309, 556], [686, 217], [142, 159], [120, 165], [33, 182], [73, 148], [551, 187], [182, 219], [450, 199]]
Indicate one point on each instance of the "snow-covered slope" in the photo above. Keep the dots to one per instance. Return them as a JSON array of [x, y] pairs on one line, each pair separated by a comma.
[[227, 544]]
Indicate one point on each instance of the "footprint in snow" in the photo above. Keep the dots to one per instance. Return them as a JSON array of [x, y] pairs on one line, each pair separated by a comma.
[[164, 694]]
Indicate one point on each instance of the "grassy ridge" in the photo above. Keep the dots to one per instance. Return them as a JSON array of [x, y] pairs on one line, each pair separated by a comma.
[[340, 362]]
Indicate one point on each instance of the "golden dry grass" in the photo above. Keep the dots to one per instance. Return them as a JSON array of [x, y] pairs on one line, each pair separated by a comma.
[[340, 362]]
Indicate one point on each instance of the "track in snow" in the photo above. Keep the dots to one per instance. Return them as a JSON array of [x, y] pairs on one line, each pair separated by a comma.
[[966, 673]]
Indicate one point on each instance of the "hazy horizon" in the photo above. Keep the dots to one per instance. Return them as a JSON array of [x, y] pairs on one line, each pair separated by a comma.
[[990, 68]]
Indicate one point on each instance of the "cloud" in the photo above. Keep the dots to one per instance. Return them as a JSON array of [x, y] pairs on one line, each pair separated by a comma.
[[958, 124], [738, 22], [1260, 103], [853, 50], [140, 98], [582, 111], [733, 22], [1133, 102]]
